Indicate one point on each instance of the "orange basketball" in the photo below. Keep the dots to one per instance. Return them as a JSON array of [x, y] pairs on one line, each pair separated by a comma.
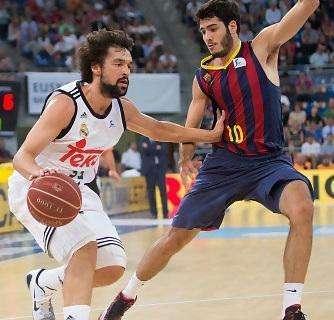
[[54, 199]]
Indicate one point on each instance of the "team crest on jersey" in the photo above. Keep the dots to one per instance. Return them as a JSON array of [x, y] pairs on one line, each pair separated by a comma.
[[84, 130], [239, 63], [207, 78]]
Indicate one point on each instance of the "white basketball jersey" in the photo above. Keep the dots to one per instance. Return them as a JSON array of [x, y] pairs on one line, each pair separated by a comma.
[[77, 149]]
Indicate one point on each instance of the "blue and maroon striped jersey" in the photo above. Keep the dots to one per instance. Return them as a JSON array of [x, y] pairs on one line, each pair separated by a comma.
[[252, 104]]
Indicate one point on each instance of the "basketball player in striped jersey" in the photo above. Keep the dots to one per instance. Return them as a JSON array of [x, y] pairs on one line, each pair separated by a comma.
[[241, 79], [80, 120]]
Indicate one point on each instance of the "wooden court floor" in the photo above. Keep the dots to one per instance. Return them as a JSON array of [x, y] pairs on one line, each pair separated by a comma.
[[214, 278]]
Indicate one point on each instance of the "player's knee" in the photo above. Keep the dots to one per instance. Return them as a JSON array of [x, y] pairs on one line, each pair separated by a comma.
[[108, 275], [302, 213], [88, 253]]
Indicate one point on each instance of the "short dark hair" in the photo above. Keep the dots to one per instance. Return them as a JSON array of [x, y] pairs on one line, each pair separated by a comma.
[[95, 49], [225, 10]]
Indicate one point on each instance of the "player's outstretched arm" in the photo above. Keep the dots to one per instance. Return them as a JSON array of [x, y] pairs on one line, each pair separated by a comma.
[[273, 37], [167, 131], [55, 117]]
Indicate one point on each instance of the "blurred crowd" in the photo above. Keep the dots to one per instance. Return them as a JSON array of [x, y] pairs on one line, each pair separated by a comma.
[[313, 45], [48, 32]]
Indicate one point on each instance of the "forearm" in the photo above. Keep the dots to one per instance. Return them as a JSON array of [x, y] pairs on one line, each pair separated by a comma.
[[171, 132], [25, 164]]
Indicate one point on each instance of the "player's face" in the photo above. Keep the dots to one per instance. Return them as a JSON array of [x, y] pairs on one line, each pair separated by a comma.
[[114, 81], [216, 36]]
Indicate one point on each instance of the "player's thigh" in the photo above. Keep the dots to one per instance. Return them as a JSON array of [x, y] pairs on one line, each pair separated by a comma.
[[110, 251], [296, 201]]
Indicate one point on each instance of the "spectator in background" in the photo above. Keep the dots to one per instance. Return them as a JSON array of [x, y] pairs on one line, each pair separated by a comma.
[[303, 86], [191, 9], [154, 168], [326, 163], [5, 155], [297, 115], [328, 145], [273, 13], [314, 115], [245, 33], [168, 62], [131, 158], [301, 162], [311, 147], [328, 128], [329, 111], [310, 38], [320, 58], [315, 130], [294, 135]]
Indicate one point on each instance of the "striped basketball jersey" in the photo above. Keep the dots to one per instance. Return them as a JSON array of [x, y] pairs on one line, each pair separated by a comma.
[[77, 149], [252, 104]]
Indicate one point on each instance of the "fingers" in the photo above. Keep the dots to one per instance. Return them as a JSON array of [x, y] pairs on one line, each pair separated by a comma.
[[43, 172]]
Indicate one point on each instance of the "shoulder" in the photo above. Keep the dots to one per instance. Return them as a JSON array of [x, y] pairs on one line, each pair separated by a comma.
[[61, 103]]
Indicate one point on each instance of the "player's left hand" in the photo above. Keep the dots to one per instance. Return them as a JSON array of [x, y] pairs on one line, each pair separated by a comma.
[[114, 175]]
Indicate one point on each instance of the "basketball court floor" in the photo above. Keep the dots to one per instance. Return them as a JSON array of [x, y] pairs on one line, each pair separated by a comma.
[[230, 274]]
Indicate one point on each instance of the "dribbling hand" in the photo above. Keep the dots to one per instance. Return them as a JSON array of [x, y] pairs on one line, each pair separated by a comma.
[[42, 172]]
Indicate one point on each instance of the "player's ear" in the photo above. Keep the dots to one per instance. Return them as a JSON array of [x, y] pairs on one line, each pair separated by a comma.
[[233, 27], [96, 69]]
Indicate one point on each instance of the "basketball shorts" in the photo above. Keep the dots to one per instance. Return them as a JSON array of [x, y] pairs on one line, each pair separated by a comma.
[[225, 178], [91, 224]]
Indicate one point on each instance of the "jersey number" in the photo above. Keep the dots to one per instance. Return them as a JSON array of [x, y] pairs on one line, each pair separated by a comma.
[[236, 134], [78, 175]]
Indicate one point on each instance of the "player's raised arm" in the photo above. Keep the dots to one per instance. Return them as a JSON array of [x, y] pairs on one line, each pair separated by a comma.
[[167, 131], [274, 36], [56, 117]]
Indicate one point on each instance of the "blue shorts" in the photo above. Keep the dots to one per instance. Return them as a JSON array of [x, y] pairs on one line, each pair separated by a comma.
[[225, 178]]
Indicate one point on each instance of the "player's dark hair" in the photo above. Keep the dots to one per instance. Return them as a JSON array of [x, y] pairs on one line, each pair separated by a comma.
[[95, 49], [224, 10]]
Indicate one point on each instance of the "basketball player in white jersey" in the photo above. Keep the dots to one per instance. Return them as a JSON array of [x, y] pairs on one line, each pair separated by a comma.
[[79, 121]]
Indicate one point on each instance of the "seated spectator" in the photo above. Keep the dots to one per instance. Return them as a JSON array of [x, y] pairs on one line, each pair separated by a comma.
[[5, 155], [294, 136], [326, 163], [131, 158], [328, 145], [300, 162], [168, 62], [273, 13], [245, 34], [328, 128], [329, 111], [315, 130], [297, 115], [320, 58], [311, 147], [314, 115], [303, 87]]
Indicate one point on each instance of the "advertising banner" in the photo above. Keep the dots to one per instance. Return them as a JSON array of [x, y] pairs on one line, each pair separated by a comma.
[[151, 93]]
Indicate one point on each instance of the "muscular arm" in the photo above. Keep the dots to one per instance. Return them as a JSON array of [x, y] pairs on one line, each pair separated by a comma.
[[194, 118], [270, 39], [167, 131], [56, 117]]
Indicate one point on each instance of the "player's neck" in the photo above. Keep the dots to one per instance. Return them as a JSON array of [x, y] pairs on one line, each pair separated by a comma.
[[233, 51], [97, 101]]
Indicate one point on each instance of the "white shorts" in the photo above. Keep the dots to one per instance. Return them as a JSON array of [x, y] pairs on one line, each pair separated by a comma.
[[91, 224]]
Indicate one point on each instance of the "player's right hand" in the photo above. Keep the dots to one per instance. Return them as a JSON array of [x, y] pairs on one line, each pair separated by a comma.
[[42, 172], [188, 172], [218, 130]]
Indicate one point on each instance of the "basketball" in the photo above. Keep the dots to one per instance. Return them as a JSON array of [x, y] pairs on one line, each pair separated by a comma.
[[54, 199]]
